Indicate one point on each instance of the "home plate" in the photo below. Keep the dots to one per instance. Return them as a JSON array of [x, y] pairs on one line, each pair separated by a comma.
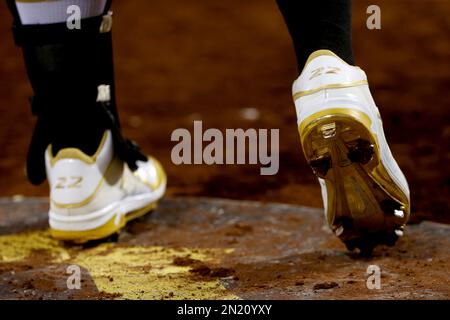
[[206, 248]]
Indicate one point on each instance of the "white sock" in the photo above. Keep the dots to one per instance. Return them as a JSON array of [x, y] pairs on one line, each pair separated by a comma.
[[55, 11]]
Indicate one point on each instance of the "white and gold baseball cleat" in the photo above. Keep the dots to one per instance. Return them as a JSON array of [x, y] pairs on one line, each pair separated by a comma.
[[93, 197], [365, 194]]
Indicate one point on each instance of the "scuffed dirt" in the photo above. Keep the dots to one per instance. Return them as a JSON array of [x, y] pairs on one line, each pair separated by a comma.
[[36, 279], [325, 285], [201, 269]]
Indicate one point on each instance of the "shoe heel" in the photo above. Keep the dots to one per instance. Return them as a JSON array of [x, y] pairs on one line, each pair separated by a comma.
[[111, 227]]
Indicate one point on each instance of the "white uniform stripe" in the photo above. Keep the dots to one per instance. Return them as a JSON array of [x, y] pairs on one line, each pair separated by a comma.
[[48, 12]]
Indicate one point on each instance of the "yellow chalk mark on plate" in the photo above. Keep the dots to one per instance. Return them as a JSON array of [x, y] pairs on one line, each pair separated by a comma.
[[136, 272], [148, 272], [17, 247]]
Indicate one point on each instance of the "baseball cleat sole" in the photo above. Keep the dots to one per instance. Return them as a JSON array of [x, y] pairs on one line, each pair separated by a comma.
[[110, 228], [365, 207]]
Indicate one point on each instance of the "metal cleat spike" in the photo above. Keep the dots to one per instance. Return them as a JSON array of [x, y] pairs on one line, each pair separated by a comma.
[[328, 130], [339, 231], [399, 232], [399, 213], [321, 165], [361, 151]]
